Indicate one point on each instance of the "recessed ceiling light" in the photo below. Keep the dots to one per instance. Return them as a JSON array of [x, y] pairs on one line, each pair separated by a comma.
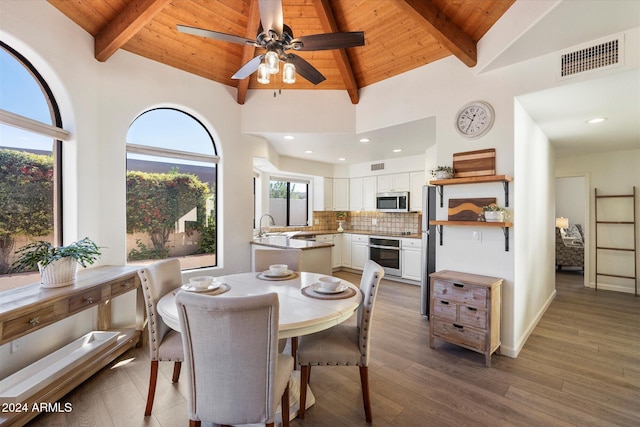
[[364, 140], [342, 159], [308, 151], [596, 120], [288, 137], [397, 150]]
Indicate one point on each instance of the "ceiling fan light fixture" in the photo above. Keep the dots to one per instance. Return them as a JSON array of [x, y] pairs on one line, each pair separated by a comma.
[[289, 73], [263, 74], [272, 62]]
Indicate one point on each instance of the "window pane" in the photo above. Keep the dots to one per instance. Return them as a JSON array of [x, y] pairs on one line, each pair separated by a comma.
[[171, 203], [298, 204], [278, 202], [28, 168]]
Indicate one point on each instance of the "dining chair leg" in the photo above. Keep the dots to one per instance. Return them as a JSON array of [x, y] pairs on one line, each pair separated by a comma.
[[284, 407], [176, 372], [305, 370], [364, 380], [153, 376], [294, 351], [194, 423]]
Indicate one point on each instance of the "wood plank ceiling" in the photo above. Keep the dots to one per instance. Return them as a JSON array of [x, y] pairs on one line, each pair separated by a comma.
[[400, 35]]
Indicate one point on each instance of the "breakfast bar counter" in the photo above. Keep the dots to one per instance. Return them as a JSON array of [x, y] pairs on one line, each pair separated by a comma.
[[315, 257]]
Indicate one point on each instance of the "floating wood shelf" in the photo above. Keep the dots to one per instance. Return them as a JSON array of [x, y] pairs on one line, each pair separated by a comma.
[[504, 179], [504, 225]]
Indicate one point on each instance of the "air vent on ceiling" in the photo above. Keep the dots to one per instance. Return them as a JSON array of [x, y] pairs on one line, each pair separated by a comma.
[[377, 166], [605, 54]]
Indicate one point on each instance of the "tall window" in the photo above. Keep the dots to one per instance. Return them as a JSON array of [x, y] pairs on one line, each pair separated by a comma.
[[30, 166], [171, 189], [289, 202]]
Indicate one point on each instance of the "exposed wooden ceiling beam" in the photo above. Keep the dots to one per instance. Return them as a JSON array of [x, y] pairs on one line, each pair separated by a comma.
[[124, 26], [249, 51], [329, 25], [441, 27]]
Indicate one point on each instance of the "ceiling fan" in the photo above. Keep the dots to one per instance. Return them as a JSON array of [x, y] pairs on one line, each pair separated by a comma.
[[277, 39]]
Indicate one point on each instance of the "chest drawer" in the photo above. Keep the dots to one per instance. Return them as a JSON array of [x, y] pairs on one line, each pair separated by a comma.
[[475, 296], [444, 309], [82, 301], [33, 320], [471, 316], [460, 334], [123, 286]]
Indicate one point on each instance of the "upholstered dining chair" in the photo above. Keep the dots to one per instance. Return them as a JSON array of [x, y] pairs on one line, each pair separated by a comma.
[[236, 374], [165, 344], [263, 258], [346, 344]]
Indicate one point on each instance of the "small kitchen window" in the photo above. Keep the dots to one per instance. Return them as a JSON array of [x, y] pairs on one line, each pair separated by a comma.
[[289, 202]]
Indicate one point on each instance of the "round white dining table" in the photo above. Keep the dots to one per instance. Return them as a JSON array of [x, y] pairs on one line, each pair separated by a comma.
[[299, 313]]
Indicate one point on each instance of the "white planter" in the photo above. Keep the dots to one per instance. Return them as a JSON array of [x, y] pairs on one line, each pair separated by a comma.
[[61, 272], [443, 175], [494, 216]]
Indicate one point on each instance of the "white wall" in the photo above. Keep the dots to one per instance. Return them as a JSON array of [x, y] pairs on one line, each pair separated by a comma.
[[611, 173], [571, 200]]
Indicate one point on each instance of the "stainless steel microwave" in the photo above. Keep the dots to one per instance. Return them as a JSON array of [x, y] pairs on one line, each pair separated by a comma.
[[397, 201]]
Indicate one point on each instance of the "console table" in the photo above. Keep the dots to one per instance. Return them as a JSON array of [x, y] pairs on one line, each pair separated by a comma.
[[30, 308]]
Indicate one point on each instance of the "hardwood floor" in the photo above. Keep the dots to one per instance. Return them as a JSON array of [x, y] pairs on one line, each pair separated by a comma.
[[580, 367]]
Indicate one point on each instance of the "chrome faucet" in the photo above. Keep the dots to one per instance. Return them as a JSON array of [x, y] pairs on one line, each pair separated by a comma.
[[273, 222]]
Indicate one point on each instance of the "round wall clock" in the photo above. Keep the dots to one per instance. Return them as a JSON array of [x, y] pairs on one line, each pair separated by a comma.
[[474, 119]]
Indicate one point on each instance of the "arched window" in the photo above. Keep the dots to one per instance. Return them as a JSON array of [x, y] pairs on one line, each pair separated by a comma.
[[171, 189], [30, 163]]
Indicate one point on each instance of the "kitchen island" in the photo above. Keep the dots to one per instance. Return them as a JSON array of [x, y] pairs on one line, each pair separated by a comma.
[[316, 256]]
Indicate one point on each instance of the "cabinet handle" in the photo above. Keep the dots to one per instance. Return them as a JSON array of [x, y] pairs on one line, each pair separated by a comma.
[[458, 285], [455, 325], [444, 302], [89, 300], [472, 308], [34, 321]]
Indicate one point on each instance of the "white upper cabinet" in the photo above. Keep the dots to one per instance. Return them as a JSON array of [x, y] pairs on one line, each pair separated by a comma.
[[341, 194], [369, 190], [394, 182], [322, 194], [355, 194], [417, 180], [328, 194]]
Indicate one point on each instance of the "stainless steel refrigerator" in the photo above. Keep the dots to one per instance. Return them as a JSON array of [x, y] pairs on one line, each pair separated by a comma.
[[428, 245]]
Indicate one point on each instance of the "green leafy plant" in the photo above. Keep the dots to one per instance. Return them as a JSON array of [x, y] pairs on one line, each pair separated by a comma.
[[143, 252], [493, 208], [341, 215], [84, 251], [448, 169]]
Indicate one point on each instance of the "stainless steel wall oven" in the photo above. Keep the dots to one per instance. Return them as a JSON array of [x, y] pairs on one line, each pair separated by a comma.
[[386, 252]]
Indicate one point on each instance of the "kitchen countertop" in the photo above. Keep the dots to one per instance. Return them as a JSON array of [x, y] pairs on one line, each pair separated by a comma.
[[367, 232], [284, 242]]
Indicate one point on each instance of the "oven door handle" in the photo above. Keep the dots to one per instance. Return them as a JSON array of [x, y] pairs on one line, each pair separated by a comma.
[[385, 247]]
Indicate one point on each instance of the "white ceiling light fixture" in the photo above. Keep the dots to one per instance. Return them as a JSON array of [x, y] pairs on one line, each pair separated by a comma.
[[342, 159], [308, 151], [289, 73], [289, 137], [364, 140], [272, 61], [596, 120], [397, 150], [263, 74]]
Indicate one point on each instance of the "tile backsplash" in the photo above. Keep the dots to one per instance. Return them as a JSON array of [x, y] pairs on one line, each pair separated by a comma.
[[388, 223]]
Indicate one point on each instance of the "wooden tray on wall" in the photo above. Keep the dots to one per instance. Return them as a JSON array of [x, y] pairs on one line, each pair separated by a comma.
[[468, 209], [474, 163]]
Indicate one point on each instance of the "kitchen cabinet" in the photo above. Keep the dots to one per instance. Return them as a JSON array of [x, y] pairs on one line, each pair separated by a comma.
[[411, 257], [369, 190], [341, 194], [355, 194], [394, 182], [322, 194], [359, 251], [465, 310], [346, 250], [416, 180], [336, 250]]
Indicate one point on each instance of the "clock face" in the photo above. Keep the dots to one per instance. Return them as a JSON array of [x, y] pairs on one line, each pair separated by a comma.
[[474, 119]]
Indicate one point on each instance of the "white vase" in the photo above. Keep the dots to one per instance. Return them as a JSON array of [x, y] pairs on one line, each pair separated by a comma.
[[61, 272], [443, 175], [494, 216]]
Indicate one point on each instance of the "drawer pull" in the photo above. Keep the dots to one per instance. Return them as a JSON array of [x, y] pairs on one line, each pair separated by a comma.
[[89, 300], [34, 321], [472, 309], [444, 302], [458, 285], [455, 325]]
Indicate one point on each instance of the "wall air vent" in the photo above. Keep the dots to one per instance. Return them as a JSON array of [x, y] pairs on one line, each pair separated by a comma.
[[377, 166], [604, 54]]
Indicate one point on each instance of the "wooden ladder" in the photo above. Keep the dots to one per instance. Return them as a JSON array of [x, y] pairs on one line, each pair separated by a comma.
[[632, 197]]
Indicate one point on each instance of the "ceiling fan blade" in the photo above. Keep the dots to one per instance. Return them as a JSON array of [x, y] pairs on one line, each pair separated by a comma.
[[215, 35], [271, 15], [247, 69], [306, 70], [329, 41]]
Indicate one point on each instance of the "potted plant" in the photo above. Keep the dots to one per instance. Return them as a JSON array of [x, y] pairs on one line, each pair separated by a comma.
[[341, 217], [57, 265], [494, 213], [443, 172]]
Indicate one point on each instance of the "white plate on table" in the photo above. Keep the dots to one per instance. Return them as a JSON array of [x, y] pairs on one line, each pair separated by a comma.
[[317, 287], [211, 287], [269, 273]]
